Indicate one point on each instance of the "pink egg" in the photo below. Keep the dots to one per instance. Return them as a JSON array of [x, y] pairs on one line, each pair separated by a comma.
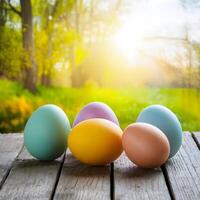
[[96, 110]]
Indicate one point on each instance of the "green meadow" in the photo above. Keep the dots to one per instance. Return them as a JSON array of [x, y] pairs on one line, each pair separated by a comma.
[[17, 103]]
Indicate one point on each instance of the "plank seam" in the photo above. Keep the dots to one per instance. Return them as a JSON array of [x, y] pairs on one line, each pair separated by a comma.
[[57, 178], [10, 168], [112, 182], [195, 140], [167, 181]]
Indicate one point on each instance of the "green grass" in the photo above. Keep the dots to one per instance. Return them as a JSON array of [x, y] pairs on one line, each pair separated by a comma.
[[126, 103]]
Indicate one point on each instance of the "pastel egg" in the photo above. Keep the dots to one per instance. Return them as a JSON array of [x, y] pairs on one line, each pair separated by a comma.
[[46, 132], [167, 122], [96, 110], [145, 145], [95, 141]]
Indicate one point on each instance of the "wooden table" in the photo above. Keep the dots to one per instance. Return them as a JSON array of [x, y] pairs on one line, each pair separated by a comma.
[[23, 177]]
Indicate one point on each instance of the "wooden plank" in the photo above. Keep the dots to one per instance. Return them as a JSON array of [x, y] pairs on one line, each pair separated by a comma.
[[79, 181], [10, 146], [132, 182], [184, 170], [31, 179], [196, 136]]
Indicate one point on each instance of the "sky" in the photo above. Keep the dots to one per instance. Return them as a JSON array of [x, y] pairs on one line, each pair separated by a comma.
[[165, 17]]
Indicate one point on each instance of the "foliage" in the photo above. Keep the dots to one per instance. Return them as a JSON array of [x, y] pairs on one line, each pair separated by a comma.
[[10, 52], [13, 113], [127, 103]]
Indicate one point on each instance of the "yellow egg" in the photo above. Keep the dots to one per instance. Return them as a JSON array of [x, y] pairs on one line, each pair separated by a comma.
[[96, 141]]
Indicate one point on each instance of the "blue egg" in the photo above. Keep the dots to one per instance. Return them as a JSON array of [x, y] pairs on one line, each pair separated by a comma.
[[165, 120], [45, 133]]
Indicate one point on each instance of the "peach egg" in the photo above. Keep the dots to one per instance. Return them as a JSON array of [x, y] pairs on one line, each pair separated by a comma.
[[145, 145]]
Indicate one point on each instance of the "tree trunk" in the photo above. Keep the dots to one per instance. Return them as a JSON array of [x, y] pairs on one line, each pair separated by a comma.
[[73, 66], [74, 75], [28, 45], [46, 75], [3, 13], [46, 80], [91, 22], [189, 66]]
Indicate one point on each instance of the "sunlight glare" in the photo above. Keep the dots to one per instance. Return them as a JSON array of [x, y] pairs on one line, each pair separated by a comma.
[[127, 42], [144, 22], [130, 37]]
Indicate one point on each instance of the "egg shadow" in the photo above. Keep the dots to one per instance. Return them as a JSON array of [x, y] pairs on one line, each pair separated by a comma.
[[137, 172], [25, 159], [125, 169], [74, 168]]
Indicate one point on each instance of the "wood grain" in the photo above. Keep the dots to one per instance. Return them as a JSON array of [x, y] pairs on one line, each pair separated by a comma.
[[79, 181], [132, 182], [10, 146], [184, 170], [30, 178]]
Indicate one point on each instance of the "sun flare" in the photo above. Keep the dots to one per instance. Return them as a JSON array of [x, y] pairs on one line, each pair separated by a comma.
[[131, 36], [127, 42]]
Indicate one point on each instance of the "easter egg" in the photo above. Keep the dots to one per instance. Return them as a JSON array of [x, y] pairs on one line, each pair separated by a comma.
[[96, 110], [46, 131], [167, 122], [145, 145], [95, 141]]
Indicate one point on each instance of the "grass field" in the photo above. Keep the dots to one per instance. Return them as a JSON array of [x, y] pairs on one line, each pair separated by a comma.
[[16, 103]]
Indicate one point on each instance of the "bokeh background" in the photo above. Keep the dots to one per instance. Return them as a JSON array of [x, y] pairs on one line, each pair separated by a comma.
[[126, 53]]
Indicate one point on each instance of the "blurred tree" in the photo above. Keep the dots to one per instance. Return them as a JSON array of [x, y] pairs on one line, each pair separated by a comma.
[[29, 64], [48, 18], [197, 51], [188, 45], [93, 25], [10, 53], [65, 32], [52, 37], [10, 49], [3, 13]]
